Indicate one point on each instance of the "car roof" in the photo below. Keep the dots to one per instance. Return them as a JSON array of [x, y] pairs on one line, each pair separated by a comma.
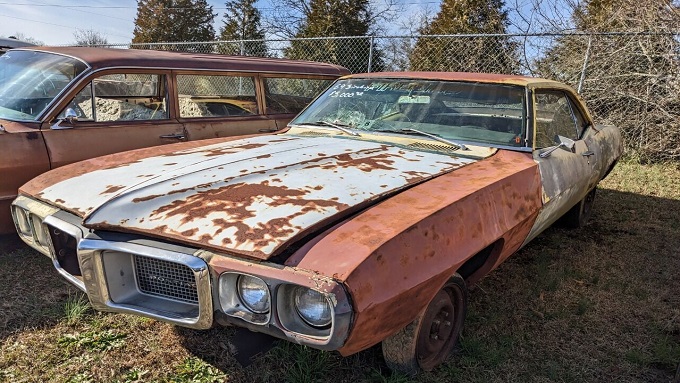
[[98, 58], [9, 42], [463, 76]]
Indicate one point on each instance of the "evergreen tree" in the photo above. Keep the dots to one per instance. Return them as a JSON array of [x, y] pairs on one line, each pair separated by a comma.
[[173, 21], [471, 54], [337, 18], [242, 22]]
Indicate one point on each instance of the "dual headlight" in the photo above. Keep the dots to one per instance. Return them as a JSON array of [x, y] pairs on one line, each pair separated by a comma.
[[30, 226], [252, 301]]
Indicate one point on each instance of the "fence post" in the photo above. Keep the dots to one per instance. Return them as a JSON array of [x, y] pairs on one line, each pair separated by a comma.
[[370, 54], [585, 64], [243, 48]]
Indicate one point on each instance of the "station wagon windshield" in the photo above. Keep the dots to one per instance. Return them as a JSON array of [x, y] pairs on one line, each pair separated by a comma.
[[488, 114], [30, 80]]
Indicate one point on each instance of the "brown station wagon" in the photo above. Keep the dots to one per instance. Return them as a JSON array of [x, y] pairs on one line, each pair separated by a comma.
[[62, 105]]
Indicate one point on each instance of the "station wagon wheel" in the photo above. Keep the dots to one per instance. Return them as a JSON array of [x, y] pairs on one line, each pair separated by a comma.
[[428, 340], [578, 215]]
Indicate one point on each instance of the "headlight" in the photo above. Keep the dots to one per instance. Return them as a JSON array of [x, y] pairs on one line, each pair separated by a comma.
[[253, 293], [21, 218], [40, 232], [312, 306]]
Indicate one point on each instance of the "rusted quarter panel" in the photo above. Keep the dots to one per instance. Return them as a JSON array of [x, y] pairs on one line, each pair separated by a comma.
[[395, 256], [24, 157]]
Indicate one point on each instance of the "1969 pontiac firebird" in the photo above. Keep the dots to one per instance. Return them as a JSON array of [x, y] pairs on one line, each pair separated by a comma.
[[364, 222]]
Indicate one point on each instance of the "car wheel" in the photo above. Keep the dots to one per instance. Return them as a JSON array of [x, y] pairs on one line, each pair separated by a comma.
[[578, 215], [428, 340]]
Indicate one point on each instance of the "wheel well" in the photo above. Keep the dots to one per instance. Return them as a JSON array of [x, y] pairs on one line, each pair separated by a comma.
[[482, 261]]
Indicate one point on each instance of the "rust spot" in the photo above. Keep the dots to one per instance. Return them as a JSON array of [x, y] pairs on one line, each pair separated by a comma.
[[147, 198], [236, 200], [189, 233], [263, 156], [111, 189], [59, 200]]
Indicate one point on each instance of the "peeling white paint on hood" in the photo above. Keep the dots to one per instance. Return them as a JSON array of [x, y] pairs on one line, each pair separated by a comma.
[[248, 196]]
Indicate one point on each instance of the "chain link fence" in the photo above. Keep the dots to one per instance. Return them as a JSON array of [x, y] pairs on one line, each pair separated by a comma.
[[631, 80]]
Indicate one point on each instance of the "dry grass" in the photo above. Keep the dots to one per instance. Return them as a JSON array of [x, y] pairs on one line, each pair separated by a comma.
[[596, 304]]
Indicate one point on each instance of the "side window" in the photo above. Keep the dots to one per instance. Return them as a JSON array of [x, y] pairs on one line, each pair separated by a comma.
[[216, 96], [580, 120], [553, 117], [122, 97], [291, 95]]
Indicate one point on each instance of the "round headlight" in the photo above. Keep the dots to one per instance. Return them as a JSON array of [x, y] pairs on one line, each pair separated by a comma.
[[22, 221], [253, 293], [312, 306]]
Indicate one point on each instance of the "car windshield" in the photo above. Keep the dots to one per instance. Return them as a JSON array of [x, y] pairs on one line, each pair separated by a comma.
[[491, 114], [30, 80]]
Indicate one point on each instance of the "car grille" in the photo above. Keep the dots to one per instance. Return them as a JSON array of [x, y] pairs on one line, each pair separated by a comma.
[[165, 279]]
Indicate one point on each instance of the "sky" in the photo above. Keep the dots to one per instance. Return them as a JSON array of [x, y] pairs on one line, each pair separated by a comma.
[[54, 21]]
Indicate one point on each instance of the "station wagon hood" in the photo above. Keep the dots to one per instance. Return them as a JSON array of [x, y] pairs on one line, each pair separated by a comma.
[[248, 196]]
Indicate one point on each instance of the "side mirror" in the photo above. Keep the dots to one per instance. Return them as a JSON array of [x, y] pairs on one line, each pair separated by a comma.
[[70, 116], [562, 142]]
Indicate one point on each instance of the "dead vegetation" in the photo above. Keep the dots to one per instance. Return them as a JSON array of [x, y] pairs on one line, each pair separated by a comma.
[[596, 304]]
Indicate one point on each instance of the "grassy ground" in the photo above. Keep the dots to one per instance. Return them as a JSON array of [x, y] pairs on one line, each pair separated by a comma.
[[596, 304]]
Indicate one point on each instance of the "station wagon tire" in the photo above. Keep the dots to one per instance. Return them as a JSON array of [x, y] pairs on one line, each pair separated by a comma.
[[578, 215], [428, 340]]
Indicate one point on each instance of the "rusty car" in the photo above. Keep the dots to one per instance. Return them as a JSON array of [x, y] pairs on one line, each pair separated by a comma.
[[65, 104], [364, 222]]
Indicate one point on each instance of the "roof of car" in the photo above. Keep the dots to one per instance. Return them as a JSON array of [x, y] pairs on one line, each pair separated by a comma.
[[107, 57], [10, 42], [461, 76]]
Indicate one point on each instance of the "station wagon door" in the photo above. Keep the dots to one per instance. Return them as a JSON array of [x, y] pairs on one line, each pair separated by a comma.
[[565, 174], [116, 111], [220, 105]]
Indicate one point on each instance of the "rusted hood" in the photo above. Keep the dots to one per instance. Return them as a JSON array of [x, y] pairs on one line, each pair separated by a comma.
[[248, 196]]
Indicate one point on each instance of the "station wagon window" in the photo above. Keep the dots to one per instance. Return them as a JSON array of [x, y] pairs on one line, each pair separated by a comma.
[[554, 116], [291, 95], [122, 97], [216, 96]]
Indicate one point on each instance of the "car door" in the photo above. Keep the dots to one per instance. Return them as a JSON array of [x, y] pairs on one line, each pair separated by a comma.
[[115, 111], [566, 172], [220, 104]]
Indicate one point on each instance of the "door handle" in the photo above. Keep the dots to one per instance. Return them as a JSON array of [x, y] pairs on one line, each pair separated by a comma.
[[176, 136], [588, 153]]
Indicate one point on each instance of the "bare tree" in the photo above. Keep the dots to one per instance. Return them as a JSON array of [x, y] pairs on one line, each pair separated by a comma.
[[23, 37], [89, 37]]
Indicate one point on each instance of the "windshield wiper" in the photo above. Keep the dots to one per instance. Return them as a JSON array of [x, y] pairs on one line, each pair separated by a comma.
[[333, 125], [435, 137]]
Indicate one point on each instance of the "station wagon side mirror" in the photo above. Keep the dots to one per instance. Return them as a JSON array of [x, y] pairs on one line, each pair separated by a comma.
[[562, 142], [70, 116]]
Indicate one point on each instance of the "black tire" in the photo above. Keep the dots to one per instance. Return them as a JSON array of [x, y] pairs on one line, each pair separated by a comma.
[[427, 341], [578, 215]]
